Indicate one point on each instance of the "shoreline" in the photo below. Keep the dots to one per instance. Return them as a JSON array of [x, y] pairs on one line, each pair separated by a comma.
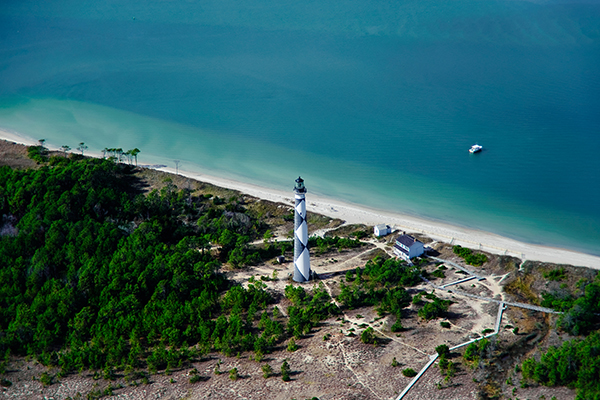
[[360, 214]]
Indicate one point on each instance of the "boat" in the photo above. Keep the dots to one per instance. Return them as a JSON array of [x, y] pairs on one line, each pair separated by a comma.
[[475, 148]]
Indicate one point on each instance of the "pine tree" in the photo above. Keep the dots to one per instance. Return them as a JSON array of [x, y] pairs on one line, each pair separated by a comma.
[[267, 371], [285, 371]]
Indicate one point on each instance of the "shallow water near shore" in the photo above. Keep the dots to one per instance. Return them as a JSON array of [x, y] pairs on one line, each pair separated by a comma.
[[376, 106]]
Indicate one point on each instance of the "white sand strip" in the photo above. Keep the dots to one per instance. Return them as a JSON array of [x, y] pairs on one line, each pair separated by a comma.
[[355, 214]]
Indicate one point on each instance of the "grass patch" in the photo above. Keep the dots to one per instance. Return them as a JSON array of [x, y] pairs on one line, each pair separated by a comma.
[[522, 287]]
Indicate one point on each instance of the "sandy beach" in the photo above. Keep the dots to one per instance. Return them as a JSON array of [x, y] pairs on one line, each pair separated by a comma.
[[356, 214]]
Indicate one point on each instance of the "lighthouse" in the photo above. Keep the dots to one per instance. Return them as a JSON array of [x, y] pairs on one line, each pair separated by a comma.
[[301, 255]]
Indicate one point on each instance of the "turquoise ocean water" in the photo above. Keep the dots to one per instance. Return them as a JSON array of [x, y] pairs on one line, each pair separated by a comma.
[[372, 102]]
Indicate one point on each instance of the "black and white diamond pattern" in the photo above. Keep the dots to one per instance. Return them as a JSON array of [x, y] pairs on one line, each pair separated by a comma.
[[301, 254]]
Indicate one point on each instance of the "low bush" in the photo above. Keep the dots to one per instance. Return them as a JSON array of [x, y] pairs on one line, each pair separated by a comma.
[[556, 274], [476, 260]]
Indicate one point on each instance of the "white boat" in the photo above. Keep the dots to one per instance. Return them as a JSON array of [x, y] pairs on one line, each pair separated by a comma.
[[475, 148]]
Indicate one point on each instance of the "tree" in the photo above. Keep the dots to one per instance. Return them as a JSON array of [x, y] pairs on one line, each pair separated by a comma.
[[285, 371], [46, 379], [397, 327], [435, 309], [65, 148], [134, 153], [368, 337], [292, 346], [82, 147], [442, 350], [233, 374], [267, 371]]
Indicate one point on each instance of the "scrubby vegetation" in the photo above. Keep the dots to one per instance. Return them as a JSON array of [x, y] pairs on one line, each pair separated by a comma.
[[307, 310], [324, 244], [434, 309], [381, 283], [575, 362], [476, 351], [580, 314], [470, 258], [557, 274], [368, 336]]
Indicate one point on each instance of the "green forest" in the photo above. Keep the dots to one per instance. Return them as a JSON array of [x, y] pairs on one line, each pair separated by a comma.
[[96, 275]]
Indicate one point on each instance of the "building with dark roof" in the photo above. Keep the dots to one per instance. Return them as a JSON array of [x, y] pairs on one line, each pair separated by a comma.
[[408, 247]]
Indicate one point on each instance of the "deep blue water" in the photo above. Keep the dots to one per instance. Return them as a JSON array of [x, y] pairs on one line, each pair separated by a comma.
[[372, 102]]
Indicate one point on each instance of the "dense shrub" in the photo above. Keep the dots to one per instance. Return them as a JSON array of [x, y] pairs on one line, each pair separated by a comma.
[[476, 350], [557, 274], [368, 336], [476, 260], [435, 309], [379, 284], [325, 244], [582, 315], [308, 309], [574, 364]]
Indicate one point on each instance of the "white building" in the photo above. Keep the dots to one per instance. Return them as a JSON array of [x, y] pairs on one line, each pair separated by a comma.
[[382, 230], [407, 247]]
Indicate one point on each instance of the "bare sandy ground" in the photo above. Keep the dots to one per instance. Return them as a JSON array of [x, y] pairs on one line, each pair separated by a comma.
[[355, 214]]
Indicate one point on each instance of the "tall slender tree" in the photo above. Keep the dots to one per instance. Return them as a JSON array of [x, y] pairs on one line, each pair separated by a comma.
[[135, 153], [65, 148], [82, 147], [285, 371]]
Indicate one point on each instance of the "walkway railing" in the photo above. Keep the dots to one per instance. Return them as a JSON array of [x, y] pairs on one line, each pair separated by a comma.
[[501, 307]]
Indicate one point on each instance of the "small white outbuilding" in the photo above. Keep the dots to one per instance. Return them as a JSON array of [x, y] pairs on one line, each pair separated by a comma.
[[382, 230]]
